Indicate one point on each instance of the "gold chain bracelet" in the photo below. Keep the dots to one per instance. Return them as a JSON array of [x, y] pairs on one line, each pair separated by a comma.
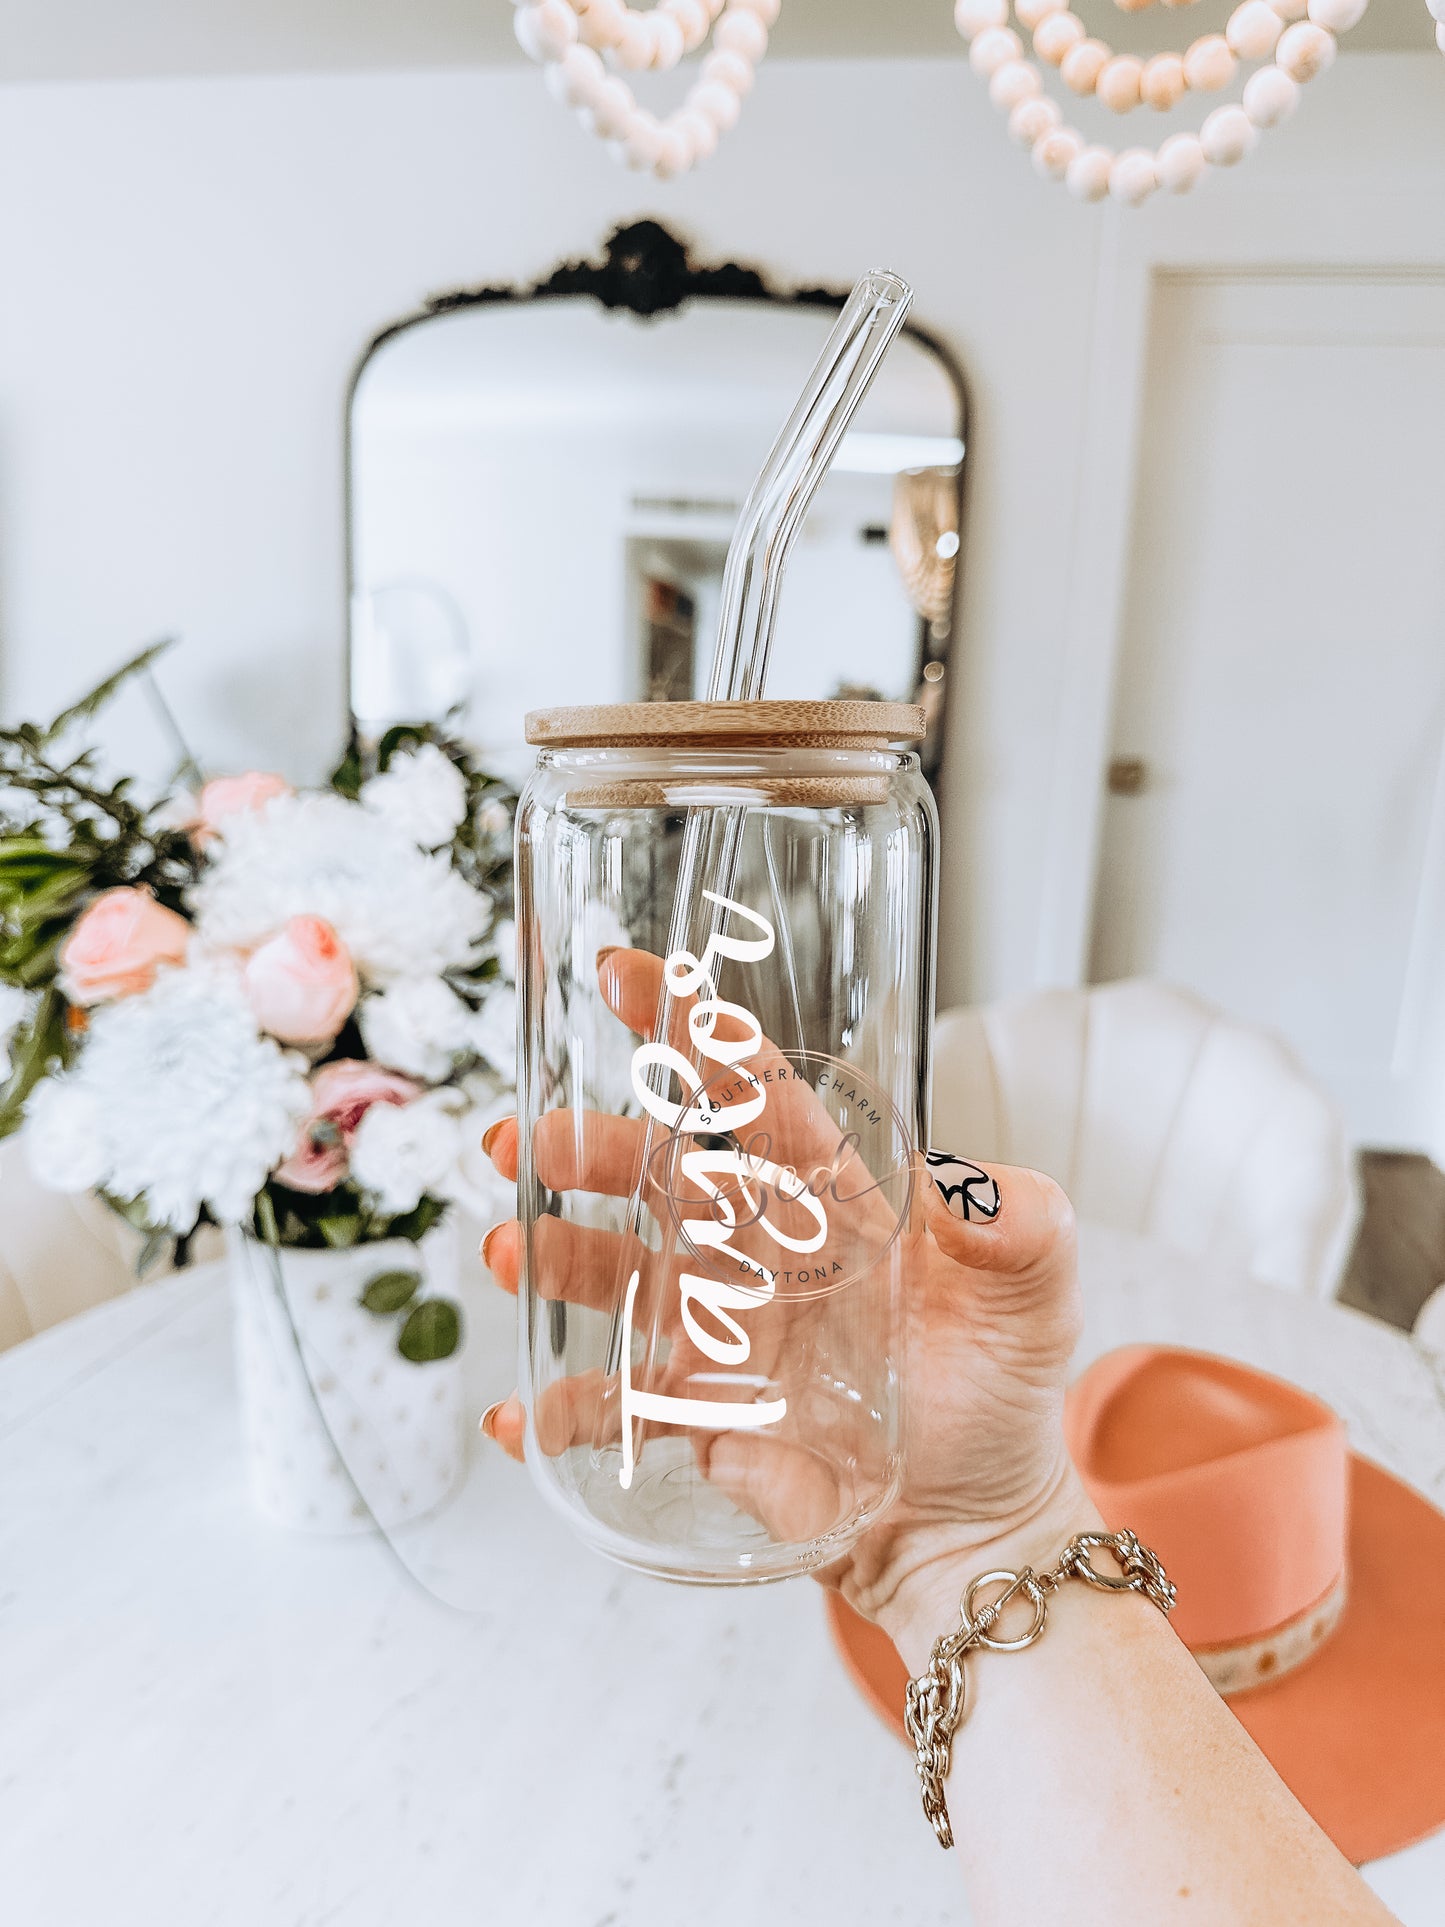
[[935, 1704]]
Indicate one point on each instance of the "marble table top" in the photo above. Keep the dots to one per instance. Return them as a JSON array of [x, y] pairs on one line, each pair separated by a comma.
[[207, 1720]]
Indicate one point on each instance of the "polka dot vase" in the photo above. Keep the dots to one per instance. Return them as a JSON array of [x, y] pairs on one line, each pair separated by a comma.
[[398, 1426]]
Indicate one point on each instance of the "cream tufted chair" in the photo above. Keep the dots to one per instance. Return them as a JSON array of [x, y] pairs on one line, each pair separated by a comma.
[[1158, 1115], [58, 1255]]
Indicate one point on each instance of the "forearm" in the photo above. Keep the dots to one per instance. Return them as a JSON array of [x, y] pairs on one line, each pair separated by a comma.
[[1098, 1771]]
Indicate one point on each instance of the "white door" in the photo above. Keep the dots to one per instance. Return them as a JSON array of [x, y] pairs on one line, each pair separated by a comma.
[[1281, 699]]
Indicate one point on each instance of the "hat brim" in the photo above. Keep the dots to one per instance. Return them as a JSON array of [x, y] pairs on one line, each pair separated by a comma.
[[1357, 1733]]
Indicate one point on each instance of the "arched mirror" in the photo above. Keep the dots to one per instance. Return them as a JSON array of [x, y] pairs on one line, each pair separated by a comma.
[[542, 483]]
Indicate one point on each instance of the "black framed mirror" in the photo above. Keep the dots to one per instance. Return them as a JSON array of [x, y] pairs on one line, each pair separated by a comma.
[[541, 483]]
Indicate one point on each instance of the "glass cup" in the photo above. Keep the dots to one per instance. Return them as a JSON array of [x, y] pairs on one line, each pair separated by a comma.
[[726, 921]]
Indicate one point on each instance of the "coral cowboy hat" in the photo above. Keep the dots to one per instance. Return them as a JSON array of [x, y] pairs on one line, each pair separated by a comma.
[[1311, 1583]]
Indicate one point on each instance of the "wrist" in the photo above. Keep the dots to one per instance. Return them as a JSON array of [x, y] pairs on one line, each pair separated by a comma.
[[926, 1602]]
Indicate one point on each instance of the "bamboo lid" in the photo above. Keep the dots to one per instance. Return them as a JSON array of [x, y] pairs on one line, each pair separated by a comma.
[[800, 725]]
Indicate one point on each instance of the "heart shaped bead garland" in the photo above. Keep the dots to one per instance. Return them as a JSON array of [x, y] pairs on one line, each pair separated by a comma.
[[1296, 36], [582, 44]]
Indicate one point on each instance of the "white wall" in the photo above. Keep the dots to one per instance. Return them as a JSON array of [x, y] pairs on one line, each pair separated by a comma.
[[190, 268]]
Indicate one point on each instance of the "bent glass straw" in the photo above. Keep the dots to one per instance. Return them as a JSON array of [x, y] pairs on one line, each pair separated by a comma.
[[752, 579], [789, 479]]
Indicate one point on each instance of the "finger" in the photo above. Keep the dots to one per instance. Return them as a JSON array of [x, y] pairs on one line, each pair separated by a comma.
[[791, 1491], [995, 1218], [631, 985], [501, 1253], [499, 1143], [578, 1262], [574, 1411], [1009, 1228], [971, 1193], [506, 1422], [564, 1414], [589, 1151], [631, 982]]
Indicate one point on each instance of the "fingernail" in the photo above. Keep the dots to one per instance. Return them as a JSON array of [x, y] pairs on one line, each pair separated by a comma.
[[485, 1246], [968, 1190], [488, 1424], [490, 1133], [607, 950]]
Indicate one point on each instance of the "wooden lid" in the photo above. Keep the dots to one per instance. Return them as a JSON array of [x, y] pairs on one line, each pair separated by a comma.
[[801, 725]]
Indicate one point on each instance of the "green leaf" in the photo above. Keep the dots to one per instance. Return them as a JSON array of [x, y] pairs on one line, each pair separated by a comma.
[[316, 1221], [402, 736], [23, 848], [349, 775], [151, 1252], [135, 1211], [340, 1231], [37, 1045], [266, 1219], [391, 1291], [33, 959], [103, 692], [49, 897], [433, 1330], [414, 1225]]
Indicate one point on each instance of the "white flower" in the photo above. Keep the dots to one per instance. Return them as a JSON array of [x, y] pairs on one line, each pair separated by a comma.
[[399, 912], [17, 807], [403, 1151], [494, 1030], [474, 1180], [63, 1137], [177, 1100], [574, 1007], [504, 948], [418, 1025], [422, 793]]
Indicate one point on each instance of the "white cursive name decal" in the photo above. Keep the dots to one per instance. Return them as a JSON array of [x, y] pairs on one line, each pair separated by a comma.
[[722, 1338]]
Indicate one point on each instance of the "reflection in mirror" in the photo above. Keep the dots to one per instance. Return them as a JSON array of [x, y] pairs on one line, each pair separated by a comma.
[[542, 492]]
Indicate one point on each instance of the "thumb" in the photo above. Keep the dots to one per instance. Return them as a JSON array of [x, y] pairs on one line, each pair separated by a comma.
[[1014, 1225]]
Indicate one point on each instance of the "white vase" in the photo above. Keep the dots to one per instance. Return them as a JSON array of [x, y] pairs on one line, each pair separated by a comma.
[[392, 1442]]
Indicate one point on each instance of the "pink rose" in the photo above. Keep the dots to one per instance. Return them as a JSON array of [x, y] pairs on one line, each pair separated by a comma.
[[341, 1095], [227, 796], [301, 983], [118, 944]]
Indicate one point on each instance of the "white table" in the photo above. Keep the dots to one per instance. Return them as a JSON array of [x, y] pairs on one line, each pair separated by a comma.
[[208, 1722]]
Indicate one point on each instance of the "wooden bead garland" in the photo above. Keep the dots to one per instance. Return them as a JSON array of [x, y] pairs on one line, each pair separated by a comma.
[[1083, 64], [1162, 84], [582, 45], [1254, 29], [1118, 85], [1297, 38], [1210, 63], [578, 41]]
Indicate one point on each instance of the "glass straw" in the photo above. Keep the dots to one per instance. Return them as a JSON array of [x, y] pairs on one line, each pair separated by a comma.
[[752, 579], [789, 479]]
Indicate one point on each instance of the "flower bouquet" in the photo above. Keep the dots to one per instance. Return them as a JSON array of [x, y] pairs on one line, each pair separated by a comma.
[[287, 1013]]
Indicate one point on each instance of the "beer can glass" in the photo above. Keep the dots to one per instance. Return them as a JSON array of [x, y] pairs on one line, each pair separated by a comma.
[[725, 917]]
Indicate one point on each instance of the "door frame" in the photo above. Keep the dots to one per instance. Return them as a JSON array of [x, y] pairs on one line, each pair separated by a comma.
[[1303, 228]]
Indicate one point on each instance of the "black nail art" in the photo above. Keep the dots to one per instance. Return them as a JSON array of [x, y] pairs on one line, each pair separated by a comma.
[[969, 1193]]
